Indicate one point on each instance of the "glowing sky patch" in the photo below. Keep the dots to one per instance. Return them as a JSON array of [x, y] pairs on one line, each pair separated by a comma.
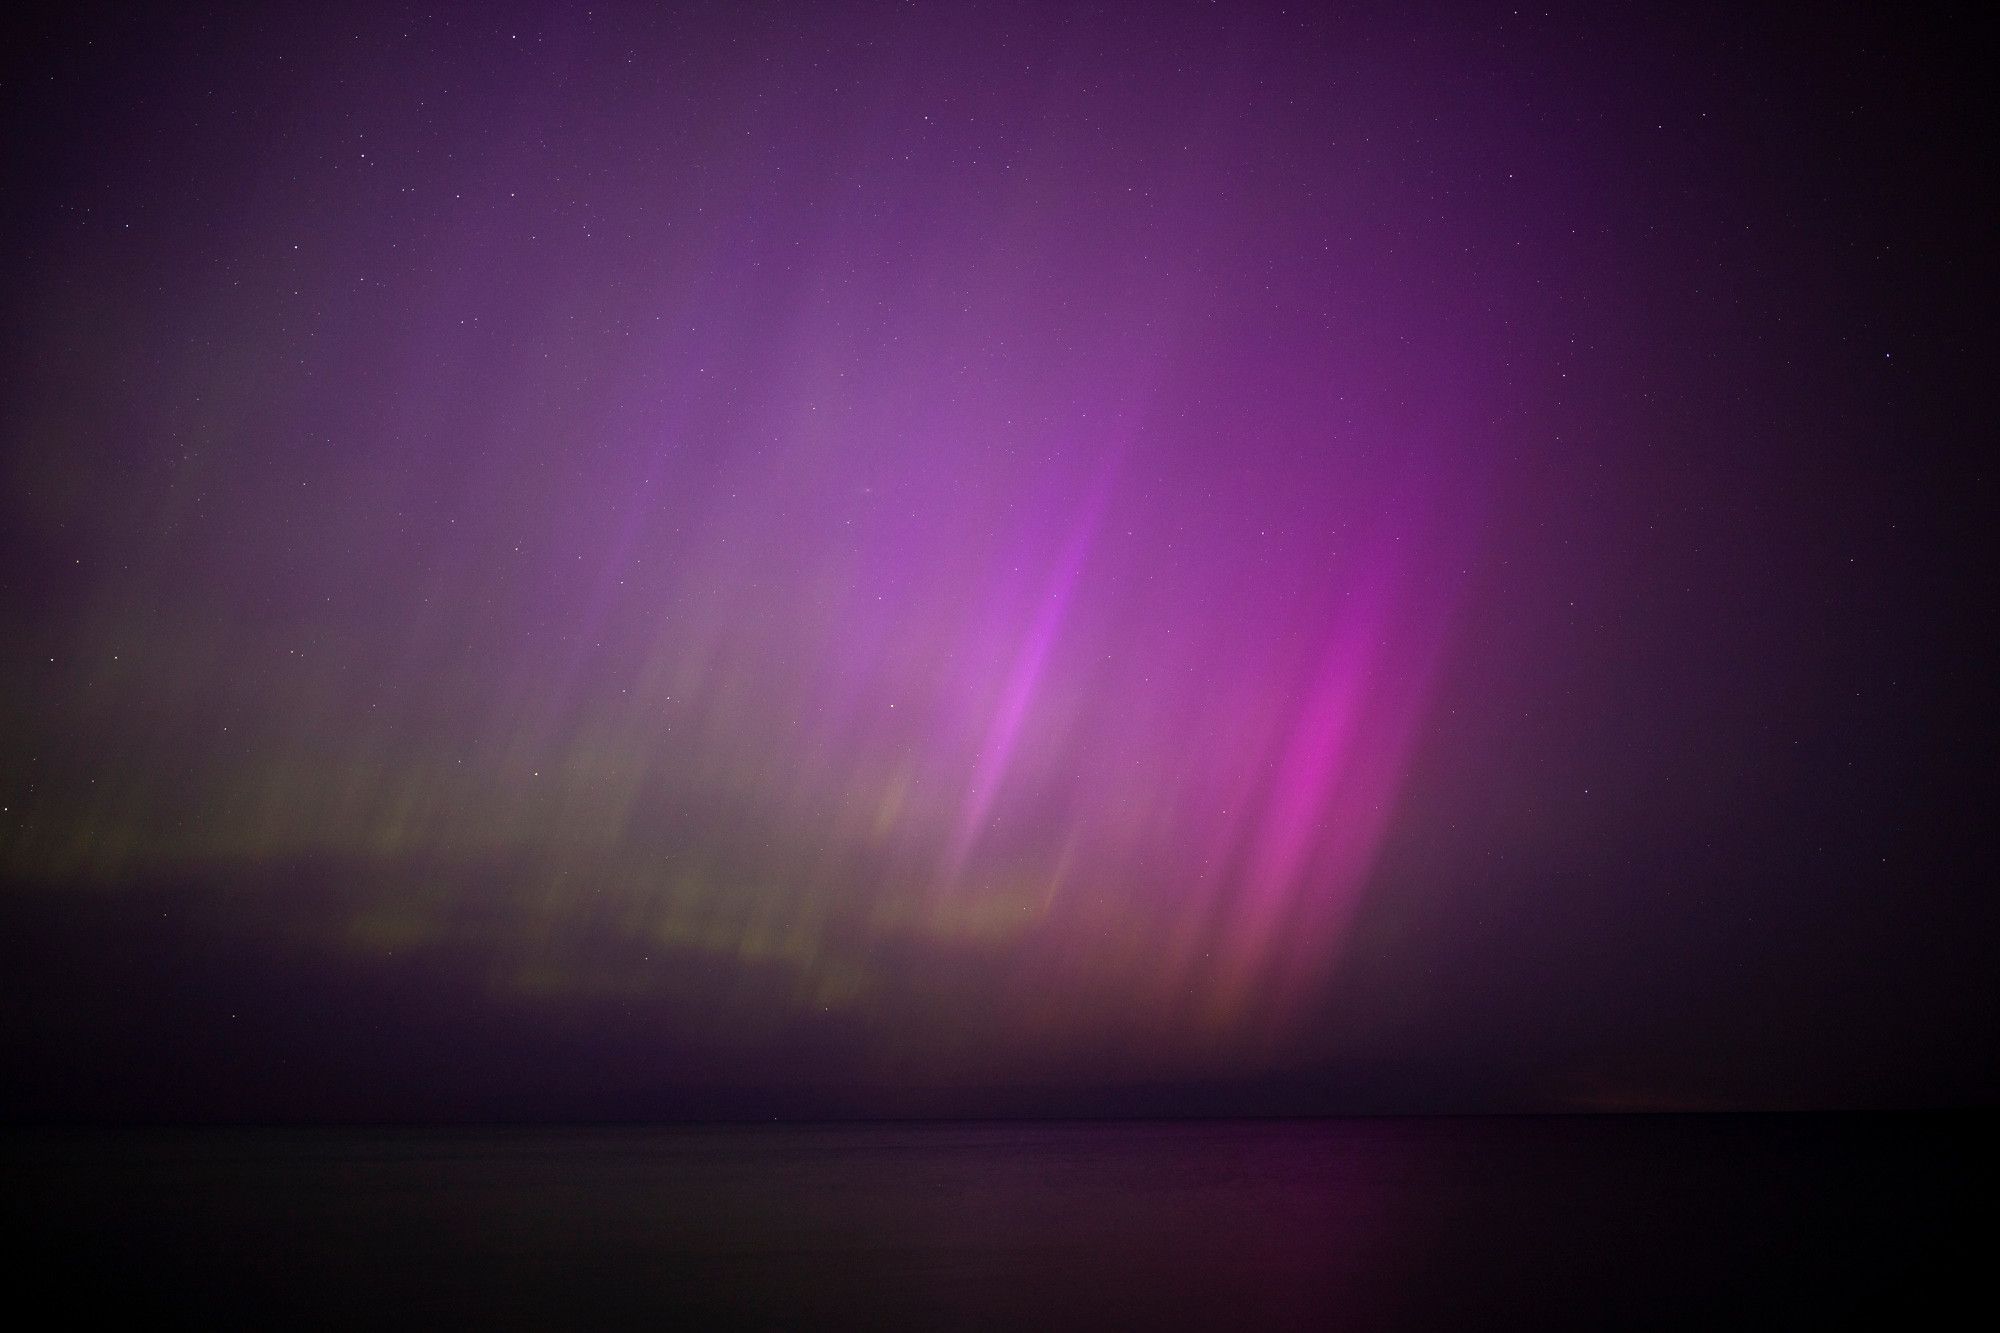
[[796, 546], [976, 542]]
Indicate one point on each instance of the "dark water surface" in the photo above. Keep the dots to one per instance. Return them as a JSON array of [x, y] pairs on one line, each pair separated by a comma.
[[1421, 1223]]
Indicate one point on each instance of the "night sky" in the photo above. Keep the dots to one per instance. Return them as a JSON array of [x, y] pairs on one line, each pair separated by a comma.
[[992, 559]]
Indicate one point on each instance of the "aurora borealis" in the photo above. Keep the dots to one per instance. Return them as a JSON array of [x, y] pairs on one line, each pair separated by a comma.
[[971, 547]]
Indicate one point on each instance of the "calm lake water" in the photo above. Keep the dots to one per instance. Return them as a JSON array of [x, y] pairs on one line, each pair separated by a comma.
[[1420, 1223]]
